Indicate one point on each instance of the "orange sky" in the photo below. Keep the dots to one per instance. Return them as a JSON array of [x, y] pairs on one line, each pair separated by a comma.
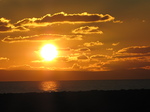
[[97, 35]]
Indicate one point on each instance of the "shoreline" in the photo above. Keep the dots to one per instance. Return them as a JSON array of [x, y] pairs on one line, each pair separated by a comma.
[[89, 101], [84, 91]]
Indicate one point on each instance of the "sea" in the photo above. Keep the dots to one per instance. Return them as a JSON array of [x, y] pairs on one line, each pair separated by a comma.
[[84, 85]]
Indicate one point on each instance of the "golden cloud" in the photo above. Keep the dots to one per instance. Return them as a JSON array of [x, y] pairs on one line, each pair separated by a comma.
[[3, 59], [115, 44]]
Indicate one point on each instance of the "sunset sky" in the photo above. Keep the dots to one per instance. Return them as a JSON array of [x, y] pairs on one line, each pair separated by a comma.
[[90, 35]]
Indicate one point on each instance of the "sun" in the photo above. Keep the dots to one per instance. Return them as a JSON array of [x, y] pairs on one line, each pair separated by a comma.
[[48, 52]]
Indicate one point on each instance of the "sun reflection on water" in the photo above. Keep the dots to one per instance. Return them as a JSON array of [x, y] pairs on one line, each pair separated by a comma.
[[49, 86]]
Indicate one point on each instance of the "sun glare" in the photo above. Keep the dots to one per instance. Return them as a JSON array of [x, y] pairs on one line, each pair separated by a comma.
[[48, 52]]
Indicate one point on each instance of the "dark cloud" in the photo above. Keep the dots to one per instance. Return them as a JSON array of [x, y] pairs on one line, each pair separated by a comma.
[[6, 26], [41, 37], [65, 18], [73, 37], [87, 30], [4, 22]]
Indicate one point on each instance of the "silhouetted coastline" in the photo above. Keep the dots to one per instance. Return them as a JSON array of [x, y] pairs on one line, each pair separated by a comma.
[[81, 101]]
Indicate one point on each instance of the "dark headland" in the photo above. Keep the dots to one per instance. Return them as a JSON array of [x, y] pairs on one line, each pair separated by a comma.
[[82, 101]]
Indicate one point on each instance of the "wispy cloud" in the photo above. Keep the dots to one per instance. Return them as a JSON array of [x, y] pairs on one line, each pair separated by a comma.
[[20, 67], [41, 37], [90, 44], [25, 67], [135, 49], [117, 21], [83, 49], [3, 59]]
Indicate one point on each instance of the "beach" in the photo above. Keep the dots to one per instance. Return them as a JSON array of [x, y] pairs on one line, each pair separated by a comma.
[[81, 101]]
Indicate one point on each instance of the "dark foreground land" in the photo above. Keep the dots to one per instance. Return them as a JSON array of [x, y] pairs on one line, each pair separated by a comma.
[[89, 101]]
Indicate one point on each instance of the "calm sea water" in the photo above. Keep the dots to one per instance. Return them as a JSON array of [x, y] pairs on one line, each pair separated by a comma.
[[49, 86]]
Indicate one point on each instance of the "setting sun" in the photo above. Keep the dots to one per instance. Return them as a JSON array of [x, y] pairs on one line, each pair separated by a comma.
[[48, 52]]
